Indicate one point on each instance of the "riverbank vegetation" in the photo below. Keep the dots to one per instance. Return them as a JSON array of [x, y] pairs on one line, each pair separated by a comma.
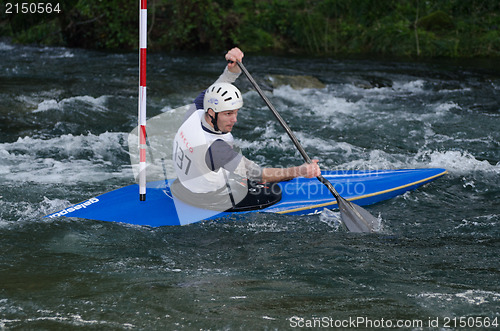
[[410, 28]]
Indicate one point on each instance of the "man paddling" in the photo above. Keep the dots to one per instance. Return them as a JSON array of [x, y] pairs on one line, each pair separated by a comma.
[[211, 173]]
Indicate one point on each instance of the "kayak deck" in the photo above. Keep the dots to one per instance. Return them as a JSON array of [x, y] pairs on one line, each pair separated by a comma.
[[300, 196], [362, 187]]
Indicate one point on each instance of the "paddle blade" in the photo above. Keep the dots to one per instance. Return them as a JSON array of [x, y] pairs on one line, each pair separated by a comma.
[[355, 218]]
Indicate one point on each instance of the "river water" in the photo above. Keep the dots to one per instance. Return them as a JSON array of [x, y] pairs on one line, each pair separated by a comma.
[[64, 121]]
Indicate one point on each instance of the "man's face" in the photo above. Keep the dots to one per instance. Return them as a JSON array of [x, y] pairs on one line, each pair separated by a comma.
[[227, 119]]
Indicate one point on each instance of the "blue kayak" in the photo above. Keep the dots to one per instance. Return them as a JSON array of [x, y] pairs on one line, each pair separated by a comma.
[[300, 196]]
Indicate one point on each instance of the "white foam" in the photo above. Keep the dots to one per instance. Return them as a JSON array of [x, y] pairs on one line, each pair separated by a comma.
[[481, 221], [335, 105], [68, 158], [298, 96], [98, 104], [5, 47], [456, 162], [321, 102], [271, 139], [415, 86], [330, 103], [339, 104], [460, 162], [19, 213], [329, 145], [447, 106], [65, 54], [381, 93], [47, 105], [375, 160], [460, 90], [71, 319], [331, 219], [49, 205], [471, 297]]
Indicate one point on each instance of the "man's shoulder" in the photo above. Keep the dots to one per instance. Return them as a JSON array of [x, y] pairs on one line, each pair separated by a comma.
[[221, 146]]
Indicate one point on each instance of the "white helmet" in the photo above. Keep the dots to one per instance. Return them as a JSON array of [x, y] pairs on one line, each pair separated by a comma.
[[221, 97]]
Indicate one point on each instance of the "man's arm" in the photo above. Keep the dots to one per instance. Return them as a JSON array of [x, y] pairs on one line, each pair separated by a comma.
[[308, 170]]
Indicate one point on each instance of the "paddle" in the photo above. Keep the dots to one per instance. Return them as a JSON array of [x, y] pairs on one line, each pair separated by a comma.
[[355, 218]]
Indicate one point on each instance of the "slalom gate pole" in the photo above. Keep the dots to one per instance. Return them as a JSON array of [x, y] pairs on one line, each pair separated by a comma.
[[142, 98]]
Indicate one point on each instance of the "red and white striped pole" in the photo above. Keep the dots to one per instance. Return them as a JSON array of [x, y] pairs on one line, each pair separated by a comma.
[[142, 98]]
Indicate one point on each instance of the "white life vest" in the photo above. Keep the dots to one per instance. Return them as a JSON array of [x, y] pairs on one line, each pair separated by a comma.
[[191, 144]]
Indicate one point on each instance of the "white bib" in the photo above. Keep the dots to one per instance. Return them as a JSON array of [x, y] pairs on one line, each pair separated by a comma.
[[191, 144]]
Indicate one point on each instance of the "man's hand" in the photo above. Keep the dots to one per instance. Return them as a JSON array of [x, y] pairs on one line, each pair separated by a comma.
[[310, 170], [234, 55]]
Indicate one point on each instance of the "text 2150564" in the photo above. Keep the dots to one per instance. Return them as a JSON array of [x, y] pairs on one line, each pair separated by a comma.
[[32, 8]]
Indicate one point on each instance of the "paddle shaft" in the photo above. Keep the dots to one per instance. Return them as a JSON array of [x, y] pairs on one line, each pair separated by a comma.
[[287, 128]]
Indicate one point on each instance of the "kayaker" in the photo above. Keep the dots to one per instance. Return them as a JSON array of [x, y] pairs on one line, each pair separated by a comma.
[[211, 173]]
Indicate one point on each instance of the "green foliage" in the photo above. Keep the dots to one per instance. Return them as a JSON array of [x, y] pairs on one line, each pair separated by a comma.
[[109, 24], [41, 34], [432, 28], [437, 20], [190, 25]]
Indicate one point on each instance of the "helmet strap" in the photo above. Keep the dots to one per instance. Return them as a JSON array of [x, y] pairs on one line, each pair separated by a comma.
[[214, 120]]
